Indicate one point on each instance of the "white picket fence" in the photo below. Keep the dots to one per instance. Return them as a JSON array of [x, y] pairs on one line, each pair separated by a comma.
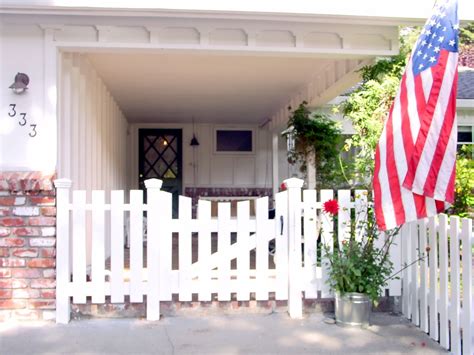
[[292, 270], [437, 290]]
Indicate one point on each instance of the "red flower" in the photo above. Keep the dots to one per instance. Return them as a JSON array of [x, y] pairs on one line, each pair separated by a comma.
[[282, 186], [331, 207]]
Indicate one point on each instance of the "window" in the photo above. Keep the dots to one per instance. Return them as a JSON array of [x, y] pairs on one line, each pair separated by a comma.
[[465, 137], [234, 141]]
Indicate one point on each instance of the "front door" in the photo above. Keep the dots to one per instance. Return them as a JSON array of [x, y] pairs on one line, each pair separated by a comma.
[[160, 156]]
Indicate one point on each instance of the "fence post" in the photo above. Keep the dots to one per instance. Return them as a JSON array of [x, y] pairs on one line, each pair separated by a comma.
[[63, 301], [153, 187], [295, 269]]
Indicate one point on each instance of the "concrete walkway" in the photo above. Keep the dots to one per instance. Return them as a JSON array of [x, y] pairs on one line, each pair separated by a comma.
[[227, 334]]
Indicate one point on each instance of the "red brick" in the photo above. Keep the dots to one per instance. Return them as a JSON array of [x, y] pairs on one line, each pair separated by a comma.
[[7, 201], [25, 293], [42, 200], [42, 221], [47, 252], [26, 273], [49, 273], [12, 222], [4, 211], [48, 294], [4, 252], [13, 283], [49, 304], [12, 242], [25, 253], [27, 314], [27, 231], [41, 263], [48, 211], [12, 304], [5, 293], [43, 283], [4, 273], [4, 232], [4, 262]]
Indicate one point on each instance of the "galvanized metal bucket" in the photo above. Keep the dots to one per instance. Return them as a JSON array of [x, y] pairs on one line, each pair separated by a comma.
[[353, 309]]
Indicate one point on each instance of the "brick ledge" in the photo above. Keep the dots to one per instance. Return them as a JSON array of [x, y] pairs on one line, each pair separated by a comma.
[[26, 181]]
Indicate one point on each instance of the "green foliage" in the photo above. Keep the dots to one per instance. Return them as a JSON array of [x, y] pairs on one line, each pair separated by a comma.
[[315, 132], [464, 190], [361, 266], [466, 34]]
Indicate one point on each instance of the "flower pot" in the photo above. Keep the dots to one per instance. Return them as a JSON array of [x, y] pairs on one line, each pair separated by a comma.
[[353, 309]]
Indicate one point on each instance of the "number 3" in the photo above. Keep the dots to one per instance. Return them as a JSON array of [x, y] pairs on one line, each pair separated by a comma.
[[33, 132], [12, 113], [22, 120]]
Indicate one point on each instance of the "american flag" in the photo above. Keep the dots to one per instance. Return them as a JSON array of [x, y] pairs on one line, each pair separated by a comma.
[[415, 159]]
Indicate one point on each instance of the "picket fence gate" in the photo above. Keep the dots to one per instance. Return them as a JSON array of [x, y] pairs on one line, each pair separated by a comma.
[[298, 221]]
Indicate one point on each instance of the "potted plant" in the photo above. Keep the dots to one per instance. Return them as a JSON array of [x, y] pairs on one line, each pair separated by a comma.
[[357, 268]]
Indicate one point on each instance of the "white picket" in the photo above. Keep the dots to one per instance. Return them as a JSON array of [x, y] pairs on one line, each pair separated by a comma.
[[261, 262], [154, 254], [455, 285], [243, 258], [310, 243], [361, 206], [136, 245], [414, 252], [344, 215], [433, 261], [467, 317], [204, 250], [443, 280], [281, 245], [423, 294], [117, 244], [165, 243], [79, 246], [406, 292], [327, 226], [185, 248], [223, 245], [98, 246], [395, 284]]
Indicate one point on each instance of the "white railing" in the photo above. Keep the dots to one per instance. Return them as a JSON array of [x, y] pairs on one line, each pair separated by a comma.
[[292, 269], [437, 290]]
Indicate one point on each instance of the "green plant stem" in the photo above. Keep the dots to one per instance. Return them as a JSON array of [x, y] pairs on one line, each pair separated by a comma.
[[406, 267]]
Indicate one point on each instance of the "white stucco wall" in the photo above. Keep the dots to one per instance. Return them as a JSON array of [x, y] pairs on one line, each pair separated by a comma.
[[22, 50]]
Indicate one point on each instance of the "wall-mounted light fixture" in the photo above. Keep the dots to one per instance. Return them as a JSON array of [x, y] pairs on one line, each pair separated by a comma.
[[21, 83]]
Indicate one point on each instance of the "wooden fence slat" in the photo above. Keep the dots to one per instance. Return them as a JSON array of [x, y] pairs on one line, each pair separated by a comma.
[[395, 285], [467, 307], [310, 257], [117, 245], [361, 206], [185, 249], [154, 254], [423, 277], [455, 285], [79, 246], [433, 262], [204, 250], [281, 245], [344, 215], [98, 246], [136, 245], [414, 251], [223, 245], [406, 292], [165, 243], [243, 258], [443, 281], [327, 226], [261, 262]]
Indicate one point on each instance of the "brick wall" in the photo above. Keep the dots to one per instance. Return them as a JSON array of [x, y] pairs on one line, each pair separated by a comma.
[[27, 246]]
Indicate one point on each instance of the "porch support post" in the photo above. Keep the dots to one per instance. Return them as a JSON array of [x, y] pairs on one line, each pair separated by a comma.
[[63, 300], [311, 170], [275, 174], [295, 269], [153, 187]]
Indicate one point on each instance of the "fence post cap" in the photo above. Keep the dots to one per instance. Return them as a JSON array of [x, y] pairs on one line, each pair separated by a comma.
[[153, 183], [62, 183], [293, 183]]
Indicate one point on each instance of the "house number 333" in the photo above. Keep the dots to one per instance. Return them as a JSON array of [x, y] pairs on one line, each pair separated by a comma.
[[22, 120]]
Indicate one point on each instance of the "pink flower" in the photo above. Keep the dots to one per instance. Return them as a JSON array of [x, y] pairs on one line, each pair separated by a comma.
[[331, 207]]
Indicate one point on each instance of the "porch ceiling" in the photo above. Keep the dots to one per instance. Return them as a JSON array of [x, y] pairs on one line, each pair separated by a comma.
[[217, 88]]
